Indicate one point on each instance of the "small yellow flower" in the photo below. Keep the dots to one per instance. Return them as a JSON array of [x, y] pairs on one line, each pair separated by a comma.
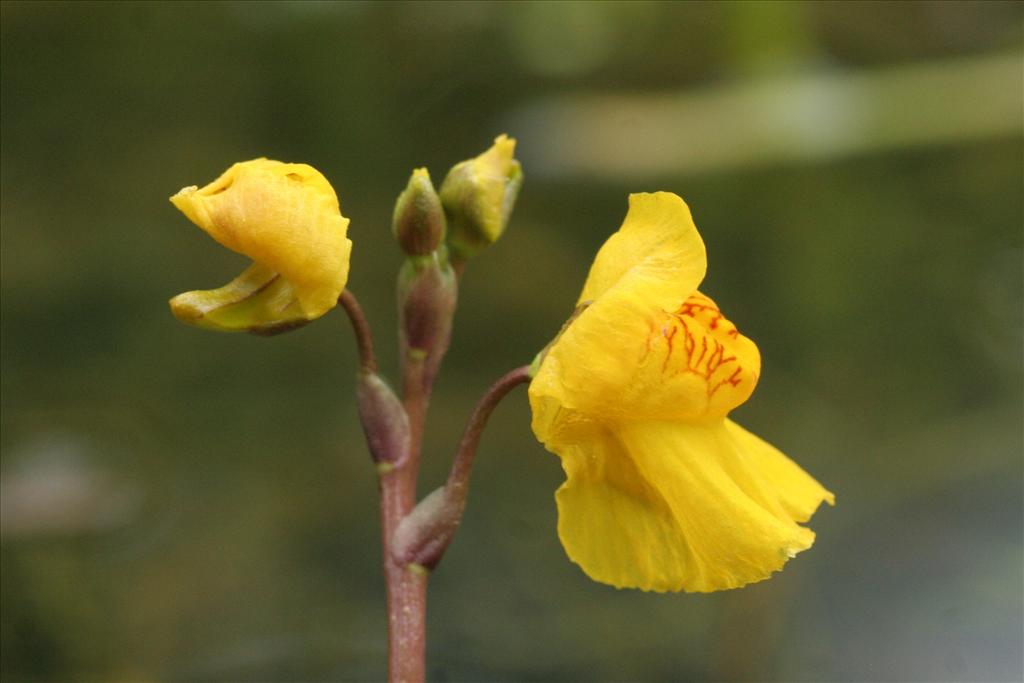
[[286, 218], [663, 492]]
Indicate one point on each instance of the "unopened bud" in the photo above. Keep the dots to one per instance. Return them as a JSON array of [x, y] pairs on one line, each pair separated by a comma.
[[478, 196], [384, 420], [419, 223]]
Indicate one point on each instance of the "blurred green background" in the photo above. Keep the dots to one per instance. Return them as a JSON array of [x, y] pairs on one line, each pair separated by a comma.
[[185, 506]]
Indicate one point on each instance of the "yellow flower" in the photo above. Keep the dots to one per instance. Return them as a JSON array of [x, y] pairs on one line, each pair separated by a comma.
[[286, 218], [663, 492]]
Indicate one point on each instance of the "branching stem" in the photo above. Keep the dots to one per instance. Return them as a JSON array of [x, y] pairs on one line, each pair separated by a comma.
[[407, 582]]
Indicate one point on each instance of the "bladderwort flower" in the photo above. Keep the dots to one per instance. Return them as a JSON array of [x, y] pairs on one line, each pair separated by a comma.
[[286, 218], [663, 491]]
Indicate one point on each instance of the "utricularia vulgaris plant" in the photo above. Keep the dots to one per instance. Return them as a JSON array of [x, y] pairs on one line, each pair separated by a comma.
[[663, 492]]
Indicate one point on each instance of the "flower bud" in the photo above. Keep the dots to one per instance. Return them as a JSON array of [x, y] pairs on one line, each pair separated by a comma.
[[286, 218], [478, 196], [419, 222], [384, 420]]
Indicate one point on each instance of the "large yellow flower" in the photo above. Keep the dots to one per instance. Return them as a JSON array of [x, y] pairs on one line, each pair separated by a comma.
[[286, 218], [663, 492]]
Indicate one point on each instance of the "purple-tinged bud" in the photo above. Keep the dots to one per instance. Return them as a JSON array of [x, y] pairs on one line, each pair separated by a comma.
[[424, 534], [385, 421]]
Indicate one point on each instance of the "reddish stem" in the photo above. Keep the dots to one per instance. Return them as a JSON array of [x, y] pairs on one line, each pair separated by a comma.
[[406, 585], [364, 335], [458, 477], [415, 398]]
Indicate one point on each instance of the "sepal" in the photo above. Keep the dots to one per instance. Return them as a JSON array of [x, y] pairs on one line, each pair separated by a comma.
[[384, 421], [425, 533]]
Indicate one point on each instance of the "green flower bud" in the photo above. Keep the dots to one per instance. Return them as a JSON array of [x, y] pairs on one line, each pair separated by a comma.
[[478, 196], [418, 222]]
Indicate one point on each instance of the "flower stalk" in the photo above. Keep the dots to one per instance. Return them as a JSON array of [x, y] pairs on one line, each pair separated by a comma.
[[406, 584], [462, 467], [361, 328]]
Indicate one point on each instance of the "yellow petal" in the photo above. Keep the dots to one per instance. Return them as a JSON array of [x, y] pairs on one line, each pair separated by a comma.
[[613, 359], [625, 359], [283, 216], [698, 363], [495, 171], [258, 301], [668, 506], [657, 252], [797, 492]]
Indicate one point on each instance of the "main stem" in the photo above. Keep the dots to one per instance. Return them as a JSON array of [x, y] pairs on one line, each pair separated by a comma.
[[406, 585], [406, 581]]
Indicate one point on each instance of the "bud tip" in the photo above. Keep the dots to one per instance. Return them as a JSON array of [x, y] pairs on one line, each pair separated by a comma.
[[419, 222]]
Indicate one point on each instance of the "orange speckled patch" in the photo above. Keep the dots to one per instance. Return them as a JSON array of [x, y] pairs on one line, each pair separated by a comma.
[[702, 343]]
